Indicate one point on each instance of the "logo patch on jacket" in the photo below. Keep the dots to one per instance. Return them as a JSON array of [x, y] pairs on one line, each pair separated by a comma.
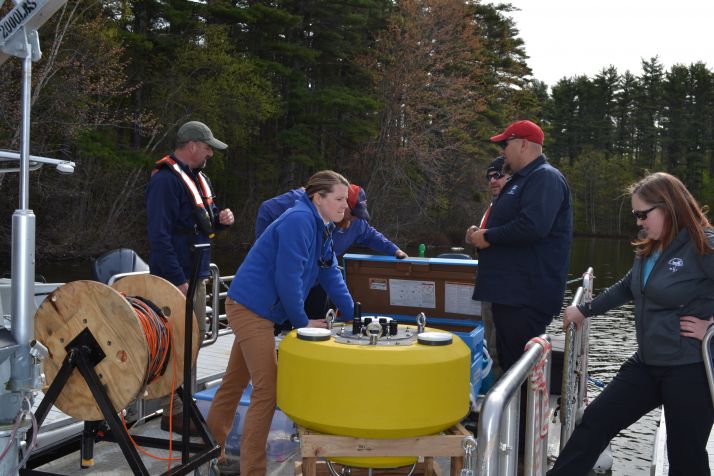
[[675, 264], [512, 190]]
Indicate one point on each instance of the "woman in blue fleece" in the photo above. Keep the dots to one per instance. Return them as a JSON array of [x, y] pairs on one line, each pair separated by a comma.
[[353, 229], [269, 288], [672, 285]]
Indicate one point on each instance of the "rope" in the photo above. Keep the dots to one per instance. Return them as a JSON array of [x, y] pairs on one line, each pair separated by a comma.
[[539, 386], [160, 342], [158, 336]]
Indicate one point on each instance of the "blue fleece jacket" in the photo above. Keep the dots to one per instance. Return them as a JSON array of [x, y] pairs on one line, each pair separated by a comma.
[[530, 230], [283, 265], [359, 231]]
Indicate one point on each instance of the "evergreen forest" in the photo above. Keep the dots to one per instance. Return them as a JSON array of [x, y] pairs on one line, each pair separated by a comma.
[[399, 96]]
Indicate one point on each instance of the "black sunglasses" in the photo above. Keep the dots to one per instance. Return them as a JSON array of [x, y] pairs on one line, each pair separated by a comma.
[[504, 143], [642, 214], [494, 176]]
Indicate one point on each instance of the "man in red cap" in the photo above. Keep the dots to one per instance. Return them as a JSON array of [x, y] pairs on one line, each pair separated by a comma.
[[524, 247]]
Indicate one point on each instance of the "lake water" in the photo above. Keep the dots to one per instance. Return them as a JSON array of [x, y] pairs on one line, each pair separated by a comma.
[[612, 336]]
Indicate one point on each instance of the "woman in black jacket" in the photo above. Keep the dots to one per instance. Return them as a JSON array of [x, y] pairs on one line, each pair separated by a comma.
[[672, 279]]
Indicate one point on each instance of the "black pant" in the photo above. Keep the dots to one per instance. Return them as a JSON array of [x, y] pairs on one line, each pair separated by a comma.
[[515, 326], [636, 390]]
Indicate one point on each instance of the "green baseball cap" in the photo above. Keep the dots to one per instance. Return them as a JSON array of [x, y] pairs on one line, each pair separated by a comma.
[[199, 132]]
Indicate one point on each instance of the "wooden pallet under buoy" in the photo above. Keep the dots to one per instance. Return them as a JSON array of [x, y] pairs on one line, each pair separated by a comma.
[[314, 446]]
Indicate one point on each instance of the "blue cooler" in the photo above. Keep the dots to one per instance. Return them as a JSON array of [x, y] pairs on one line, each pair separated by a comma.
[[204, 399], [281, 444]]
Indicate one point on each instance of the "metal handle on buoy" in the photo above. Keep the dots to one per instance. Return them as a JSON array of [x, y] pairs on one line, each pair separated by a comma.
[[374, 331], [421, 322], [330, 318]]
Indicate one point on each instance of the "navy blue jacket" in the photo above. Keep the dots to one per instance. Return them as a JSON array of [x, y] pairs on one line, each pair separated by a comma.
[[530, 230], [359, 231], [171, 226], [283, 265]]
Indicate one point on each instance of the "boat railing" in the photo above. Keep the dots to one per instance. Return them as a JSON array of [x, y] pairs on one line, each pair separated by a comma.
[[707, 354], [499, 417], [497, 444], [575, 361], [216, 297], [214, 300]]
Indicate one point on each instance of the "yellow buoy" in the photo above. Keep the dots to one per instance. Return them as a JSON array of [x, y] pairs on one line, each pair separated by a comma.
[[398, 390]]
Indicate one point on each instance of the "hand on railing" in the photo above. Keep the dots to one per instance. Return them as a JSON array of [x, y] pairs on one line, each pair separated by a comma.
[[572, 315]]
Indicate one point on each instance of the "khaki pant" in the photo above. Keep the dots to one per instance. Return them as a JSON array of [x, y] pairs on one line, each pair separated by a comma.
[[252, 358]]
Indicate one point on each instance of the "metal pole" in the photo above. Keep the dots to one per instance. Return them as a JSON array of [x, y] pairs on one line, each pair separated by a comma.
[[532, 407], [23, 247], [508, 456], [544, 441], [215, 304], [707, 354]]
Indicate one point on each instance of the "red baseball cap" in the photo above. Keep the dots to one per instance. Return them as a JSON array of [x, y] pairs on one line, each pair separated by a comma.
[[357, 201], [521, 130]]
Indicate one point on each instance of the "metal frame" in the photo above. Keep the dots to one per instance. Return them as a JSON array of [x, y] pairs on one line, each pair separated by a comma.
[[62, 166], [577, 342], [500, 411], [497, 447], [707, 354]]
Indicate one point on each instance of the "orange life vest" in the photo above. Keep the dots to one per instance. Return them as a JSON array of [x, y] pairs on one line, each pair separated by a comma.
[[202, 199]]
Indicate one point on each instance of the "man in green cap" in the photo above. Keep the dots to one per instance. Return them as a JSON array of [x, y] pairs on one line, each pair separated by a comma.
[[181, 212]]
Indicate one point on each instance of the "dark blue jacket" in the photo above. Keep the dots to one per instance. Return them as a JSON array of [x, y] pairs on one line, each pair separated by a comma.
[[171, 226], [530, 230], [359, 231], [282, 266]]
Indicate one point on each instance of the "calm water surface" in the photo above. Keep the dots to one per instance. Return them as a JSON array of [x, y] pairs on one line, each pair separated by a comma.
[[612, 336]]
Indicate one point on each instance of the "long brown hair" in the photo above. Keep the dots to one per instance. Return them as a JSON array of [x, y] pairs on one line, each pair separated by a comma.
[[681, 210]]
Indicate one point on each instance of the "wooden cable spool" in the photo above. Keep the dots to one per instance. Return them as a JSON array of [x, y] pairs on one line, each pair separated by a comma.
[[112, 321]]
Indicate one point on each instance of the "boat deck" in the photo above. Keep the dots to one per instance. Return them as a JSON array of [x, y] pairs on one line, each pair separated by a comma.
[[660, 463]]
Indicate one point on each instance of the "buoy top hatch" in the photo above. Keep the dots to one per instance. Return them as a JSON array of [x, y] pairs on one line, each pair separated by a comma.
[[313, 334]]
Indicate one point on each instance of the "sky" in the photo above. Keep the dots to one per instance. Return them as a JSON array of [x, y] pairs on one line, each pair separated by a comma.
[[566, 38]]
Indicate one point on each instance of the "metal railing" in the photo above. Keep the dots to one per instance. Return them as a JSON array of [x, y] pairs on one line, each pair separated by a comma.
[[497, 444], [707, 354], [215, 297], [575, 363], [219, 323]]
